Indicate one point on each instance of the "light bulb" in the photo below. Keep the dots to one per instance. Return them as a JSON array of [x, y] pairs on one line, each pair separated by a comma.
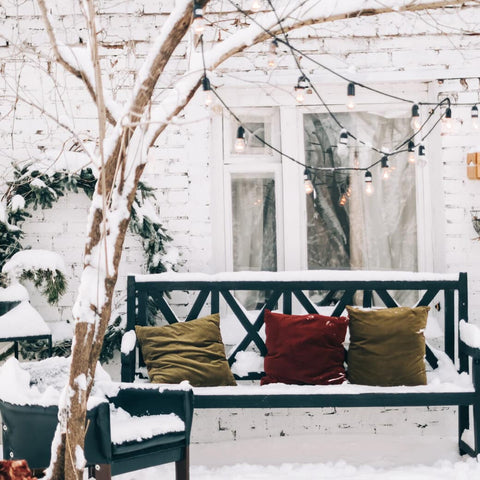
[[207, 90], [299, 94], [208, 98], [239, 145], [308, 186], [474, 116], [416, 122], [385, 169], [272, 54], [447, 120], [240, 140], [368, 183], [255, 6], [307, 182], [422, 155], [271, 60], [198, 24], [351, 96], [412, 157]]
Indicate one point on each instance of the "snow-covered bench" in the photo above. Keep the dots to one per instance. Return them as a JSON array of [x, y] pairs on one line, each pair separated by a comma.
[[130, 427], [449, 359]]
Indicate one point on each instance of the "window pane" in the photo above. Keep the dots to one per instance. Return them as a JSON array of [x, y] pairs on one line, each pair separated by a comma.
[[254, 223], [376, 232]]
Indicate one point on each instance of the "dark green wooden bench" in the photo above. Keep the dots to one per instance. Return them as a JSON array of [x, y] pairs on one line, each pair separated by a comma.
[[285, 291]]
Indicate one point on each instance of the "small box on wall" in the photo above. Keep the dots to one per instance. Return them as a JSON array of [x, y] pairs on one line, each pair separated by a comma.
[[473, 166]]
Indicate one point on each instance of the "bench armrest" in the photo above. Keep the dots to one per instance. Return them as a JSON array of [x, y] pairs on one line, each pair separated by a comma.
[[469, 339], [128, 356], [155, 400]]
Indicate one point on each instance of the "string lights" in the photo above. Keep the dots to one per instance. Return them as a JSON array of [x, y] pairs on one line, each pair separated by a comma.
[[351, 96], [300, 88], [412, 157], [272, 54], [307, 182], [416, 122], [304, 85], [255, 6], [207, 89], [385, 167], [240, 143], [198, 24], [368, 183], [447, 119], [474, 116]]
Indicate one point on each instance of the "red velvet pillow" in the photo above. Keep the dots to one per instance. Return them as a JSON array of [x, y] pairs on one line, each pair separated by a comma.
[[304, 349]]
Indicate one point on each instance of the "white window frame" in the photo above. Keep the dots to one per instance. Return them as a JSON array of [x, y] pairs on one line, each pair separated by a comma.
[[289, 188]]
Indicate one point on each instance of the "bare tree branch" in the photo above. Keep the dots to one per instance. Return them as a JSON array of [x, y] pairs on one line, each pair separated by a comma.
[[66, 64]]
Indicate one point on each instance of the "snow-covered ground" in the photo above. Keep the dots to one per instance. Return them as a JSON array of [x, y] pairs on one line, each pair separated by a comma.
[[342, 456]]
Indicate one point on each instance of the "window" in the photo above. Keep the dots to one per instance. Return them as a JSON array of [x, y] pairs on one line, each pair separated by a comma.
[[361, 232], [265, 221], [254, 222]]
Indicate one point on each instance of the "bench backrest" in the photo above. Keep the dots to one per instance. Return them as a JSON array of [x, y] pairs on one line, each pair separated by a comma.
[[286, 290]]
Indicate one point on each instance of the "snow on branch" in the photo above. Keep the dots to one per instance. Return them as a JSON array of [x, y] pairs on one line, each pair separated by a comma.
[[266, 26], [77, 61]]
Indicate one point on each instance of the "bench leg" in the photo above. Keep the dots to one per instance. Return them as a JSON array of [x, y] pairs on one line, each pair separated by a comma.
[[463, 423], [102, 471], [182, 467], [476, 427]]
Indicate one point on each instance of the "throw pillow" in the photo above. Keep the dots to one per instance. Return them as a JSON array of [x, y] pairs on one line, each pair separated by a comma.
[[304, 349], [191, 351], [387, 346]]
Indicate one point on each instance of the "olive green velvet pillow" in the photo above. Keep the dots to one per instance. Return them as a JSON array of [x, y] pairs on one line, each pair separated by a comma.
[[191, 351], [387, 346]]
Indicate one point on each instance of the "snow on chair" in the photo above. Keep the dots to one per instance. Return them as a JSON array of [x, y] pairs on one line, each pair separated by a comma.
[[128, 427]]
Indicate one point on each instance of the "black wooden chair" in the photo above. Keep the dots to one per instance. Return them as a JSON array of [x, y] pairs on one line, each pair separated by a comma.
[[28, 433]]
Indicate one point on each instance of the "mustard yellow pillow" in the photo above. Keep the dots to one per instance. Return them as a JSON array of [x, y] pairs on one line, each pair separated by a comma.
[[192, 351], [387, 346]]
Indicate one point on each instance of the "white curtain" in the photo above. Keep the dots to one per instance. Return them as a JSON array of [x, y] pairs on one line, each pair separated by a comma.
[[377, 232]]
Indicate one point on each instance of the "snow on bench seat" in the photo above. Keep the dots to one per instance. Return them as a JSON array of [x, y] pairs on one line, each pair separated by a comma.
[[126, 428]]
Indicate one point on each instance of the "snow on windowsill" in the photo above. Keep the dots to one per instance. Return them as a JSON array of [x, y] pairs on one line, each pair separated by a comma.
[[127, 428], [295, 276]]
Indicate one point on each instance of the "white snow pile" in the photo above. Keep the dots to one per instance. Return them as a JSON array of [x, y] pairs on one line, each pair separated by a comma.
[[34, 259], [41, 382], [247, 362], [129, 341], [127, 428], [470, 334], [22, 321], [14, 293]]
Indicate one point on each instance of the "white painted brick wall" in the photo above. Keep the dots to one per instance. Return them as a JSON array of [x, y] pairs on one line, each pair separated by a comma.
[[180, 170]]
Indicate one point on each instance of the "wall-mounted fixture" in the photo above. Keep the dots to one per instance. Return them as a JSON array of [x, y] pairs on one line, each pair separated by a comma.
[[473, 166]]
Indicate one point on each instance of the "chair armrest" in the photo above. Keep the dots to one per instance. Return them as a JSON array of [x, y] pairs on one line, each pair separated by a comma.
[[128, 356], [150, 399], [469, 339]]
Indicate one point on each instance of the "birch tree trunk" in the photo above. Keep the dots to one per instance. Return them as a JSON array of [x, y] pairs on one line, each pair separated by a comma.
[[122, 158]]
